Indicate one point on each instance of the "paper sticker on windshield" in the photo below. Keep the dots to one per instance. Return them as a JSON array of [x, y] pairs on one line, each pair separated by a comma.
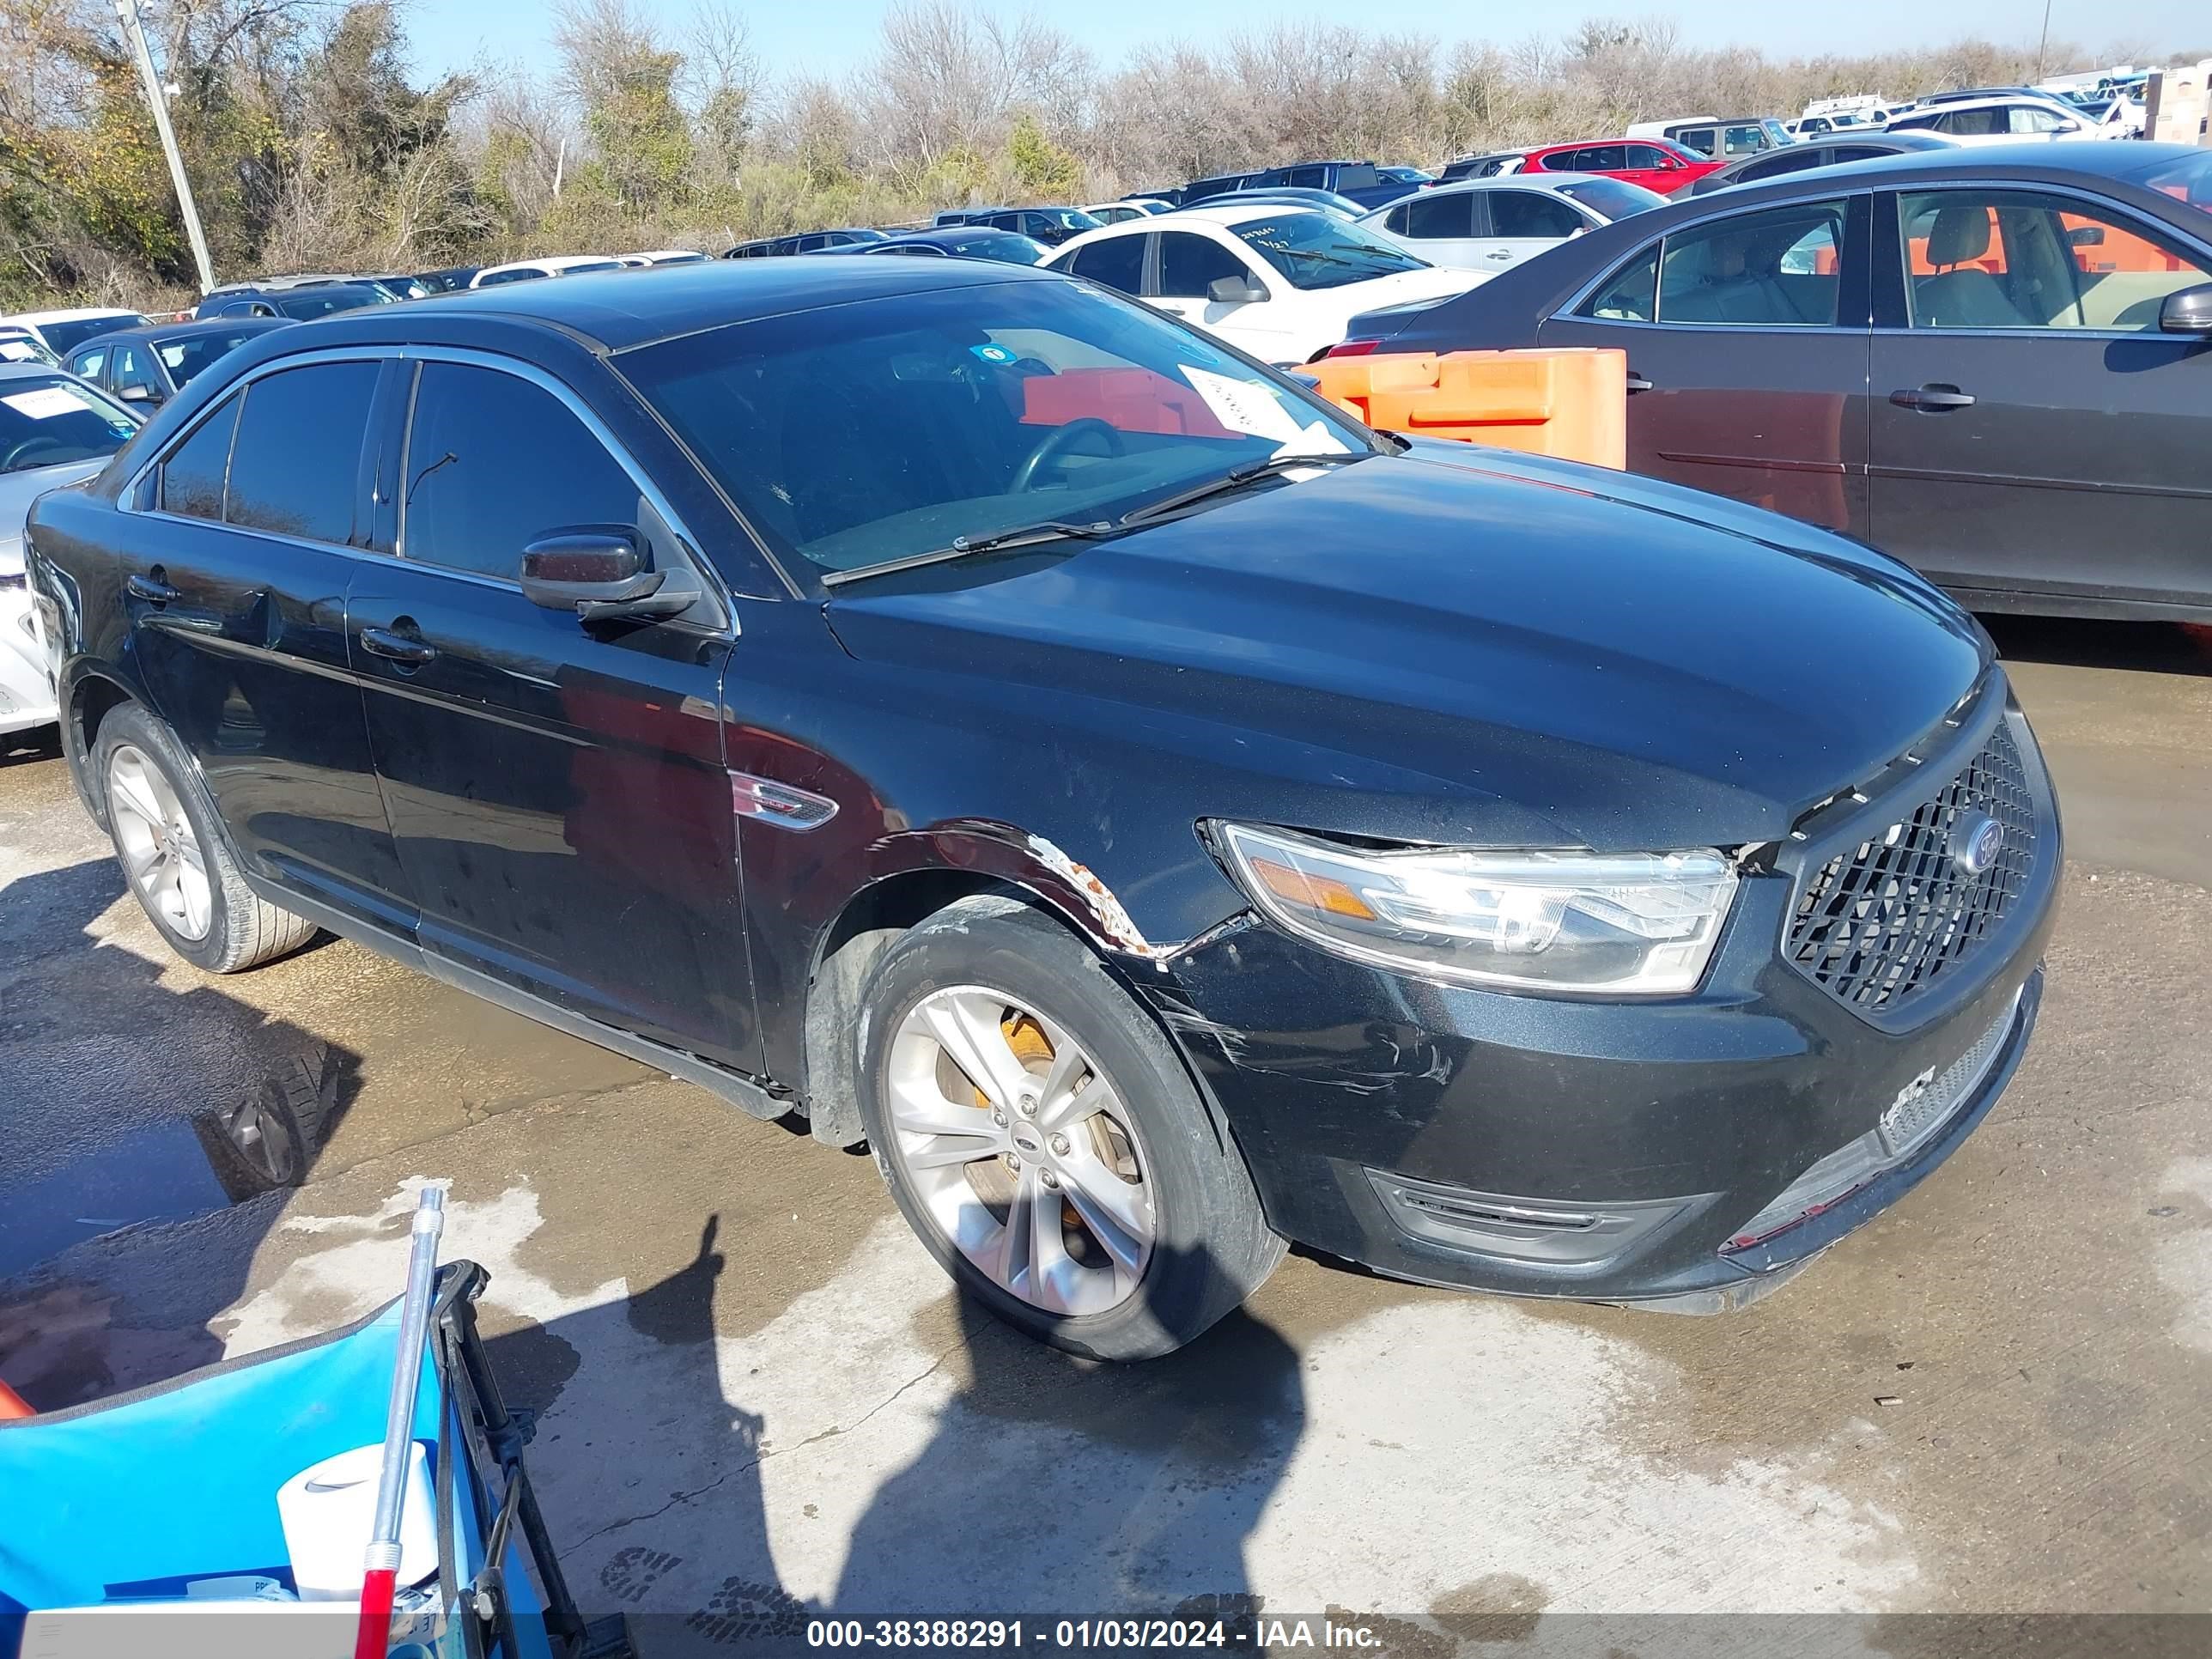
[[46, 401], [1242, 407], [992, 354]]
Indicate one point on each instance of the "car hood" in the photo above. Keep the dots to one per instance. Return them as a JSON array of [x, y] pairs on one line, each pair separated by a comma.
[[19, 489], [1456, 643]]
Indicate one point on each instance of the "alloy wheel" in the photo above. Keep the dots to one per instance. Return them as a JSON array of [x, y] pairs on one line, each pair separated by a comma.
[[1024, 1154], [163, 858]]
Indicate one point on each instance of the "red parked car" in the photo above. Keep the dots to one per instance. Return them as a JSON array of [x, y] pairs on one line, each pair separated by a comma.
[[1651, 162]]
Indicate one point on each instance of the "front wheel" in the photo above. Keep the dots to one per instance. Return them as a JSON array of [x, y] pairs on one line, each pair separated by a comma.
[[1043, 1139]]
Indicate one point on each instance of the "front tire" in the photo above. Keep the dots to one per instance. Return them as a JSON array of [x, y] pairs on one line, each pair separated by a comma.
[[174, 852], [1045, 1141]]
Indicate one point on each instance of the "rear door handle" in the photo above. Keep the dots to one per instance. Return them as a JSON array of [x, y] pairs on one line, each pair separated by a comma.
[[1636, 382], [1932, 399], [153, 590], [396, 648]]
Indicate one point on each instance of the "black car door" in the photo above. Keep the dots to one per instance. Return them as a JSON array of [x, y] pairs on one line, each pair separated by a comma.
[[250, 527], [555, 786], [2033, 430], [1747, 337]]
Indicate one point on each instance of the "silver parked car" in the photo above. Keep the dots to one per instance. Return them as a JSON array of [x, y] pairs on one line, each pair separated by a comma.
[[1493, 224]]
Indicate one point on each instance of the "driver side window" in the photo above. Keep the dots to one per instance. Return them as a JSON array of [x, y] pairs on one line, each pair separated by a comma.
[[1190, 263]]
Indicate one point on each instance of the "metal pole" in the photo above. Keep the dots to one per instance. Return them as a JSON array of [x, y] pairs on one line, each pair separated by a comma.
[[126, 13], [381, 1564], [2043, 45]]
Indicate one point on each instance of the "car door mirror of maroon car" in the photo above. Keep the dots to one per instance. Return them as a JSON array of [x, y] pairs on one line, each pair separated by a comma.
[[2187, 311], [600, 572]]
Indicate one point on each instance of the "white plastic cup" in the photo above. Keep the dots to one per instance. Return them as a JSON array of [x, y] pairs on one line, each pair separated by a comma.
[[329, 1511]]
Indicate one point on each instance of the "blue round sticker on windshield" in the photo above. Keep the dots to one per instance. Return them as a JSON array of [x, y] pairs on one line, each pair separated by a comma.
[[992, 354]]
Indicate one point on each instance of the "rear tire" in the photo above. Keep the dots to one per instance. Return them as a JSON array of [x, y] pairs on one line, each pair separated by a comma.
[[1082, 1193], [175, 853]]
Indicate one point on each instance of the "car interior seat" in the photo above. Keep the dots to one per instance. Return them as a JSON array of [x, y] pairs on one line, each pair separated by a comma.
[[1962, 293]]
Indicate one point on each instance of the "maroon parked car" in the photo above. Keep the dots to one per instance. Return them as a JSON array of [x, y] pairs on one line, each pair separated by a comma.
[[1995, 364]]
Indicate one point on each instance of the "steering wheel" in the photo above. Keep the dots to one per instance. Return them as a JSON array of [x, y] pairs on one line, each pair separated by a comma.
[[29, 445], [1057, 442]]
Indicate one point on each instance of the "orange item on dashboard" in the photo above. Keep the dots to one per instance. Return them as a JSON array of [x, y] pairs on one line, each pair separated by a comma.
[[1126, 399]]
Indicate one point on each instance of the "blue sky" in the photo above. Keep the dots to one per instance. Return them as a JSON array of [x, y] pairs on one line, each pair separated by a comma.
[[830, 35]]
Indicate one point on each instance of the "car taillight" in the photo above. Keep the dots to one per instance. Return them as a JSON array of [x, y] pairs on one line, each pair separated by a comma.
[[1351, 348]]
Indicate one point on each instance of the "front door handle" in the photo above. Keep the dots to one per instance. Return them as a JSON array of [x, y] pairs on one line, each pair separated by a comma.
[[153, 590], [1500, 254], [396, 648], [1636, 382], [1932, 399]]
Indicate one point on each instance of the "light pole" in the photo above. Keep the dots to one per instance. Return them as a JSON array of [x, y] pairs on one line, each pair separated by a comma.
[[126, 13], [2044, 44]]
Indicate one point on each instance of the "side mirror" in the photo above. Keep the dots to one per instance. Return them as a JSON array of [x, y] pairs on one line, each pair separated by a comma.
[[137, 394], [2085, 236], [598, 571], [2187, 311], [1234, 291]]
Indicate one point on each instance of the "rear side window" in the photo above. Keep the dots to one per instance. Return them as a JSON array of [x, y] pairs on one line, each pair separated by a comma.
[[1118, 262], [192, 477], [1315, 179], [1779, 268], [1430, 217], [1781, 162], [1629, 295], [1528, 213], [1189, 264], [493, 463], [295, 468]]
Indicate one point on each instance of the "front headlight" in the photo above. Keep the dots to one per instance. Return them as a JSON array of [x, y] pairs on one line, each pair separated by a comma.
[[1637, 924]]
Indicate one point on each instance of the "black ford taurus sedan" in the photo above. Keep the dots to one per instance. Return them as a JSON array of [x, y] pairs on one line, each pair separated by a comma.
[[1994, 364], [1162, 817]]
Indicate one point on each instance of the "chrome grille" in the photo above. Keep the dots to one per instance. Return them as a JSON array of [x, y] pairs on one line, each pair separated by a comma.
[[1876, 925]]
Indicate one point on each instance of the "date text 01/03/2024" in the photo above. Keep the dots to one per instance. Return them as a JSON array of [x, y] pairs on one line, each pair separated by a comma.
[[1269, 1634]]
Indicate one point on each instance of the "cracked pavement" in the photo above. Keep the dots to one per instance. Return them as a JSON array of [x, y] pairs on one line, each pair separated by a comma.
[[758, 1397]]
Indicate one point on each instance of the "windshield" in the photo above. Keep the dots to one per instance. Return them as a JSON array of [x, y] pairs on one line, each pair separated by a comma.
[[26, 349], [862, 434], [578, 270], [188, 357], [51, 420], [65, 338], [1613, 199], [1316, 251], [306, 303], [2188, 179]]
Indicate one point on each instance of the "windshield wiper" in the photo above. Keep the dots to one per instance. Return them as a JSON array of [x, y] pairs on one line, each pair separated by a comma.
[[1238, 477], [1028, 535]]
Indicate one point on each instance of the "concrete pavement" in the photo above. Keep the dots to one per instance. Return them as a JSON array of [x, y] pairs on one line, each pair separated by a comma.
[[759, 1396]]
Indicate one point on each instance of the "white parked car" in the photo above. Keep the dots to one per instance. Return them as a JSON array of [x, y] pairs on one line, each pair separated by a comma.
[[2003, 118], [1493, 224], [1281, 282], [1132, 207], [662, 255], [63, 331], [54, 430], [556, 264]]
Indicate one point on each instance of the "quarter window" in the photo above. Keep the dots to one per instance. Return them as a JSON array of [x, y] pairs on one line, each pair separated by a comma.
[[493, 463], [1778, 269], [296, 463], [1189, 264], [192, 477]]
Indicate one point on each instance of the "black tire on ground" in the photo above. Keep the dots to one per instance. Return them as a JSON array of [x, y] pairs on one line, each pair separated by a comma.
[[1213, 1246], [244, 930]]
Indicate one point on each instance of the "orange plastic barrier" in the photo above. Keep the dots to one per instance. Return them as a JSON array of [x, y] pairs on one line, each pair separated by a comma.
[[1570, 402], [13, 1404]]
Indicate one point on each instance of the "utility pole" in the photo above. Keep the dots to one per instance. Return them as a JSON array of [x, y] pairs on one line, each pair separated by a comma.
[[2043, 45], [126, 13]]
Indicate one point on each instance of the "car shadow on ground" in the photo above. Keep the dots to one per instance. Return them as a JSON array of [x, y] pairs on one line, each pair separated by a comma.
[[1046, 1484], [124, 1101], [2161, 648]]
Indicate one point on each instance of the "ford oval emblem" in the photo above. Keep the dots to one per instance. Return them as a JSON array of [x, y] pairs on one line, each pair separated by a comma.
[[1976, 842]]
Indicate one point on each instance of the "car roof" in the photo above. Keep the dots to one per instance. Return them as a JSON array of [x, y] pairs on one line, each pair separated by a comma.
[[613, 313], [1551, 181], [2040, 161], [183, 330], [1227, 215], [70, 314], [26, 370]]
